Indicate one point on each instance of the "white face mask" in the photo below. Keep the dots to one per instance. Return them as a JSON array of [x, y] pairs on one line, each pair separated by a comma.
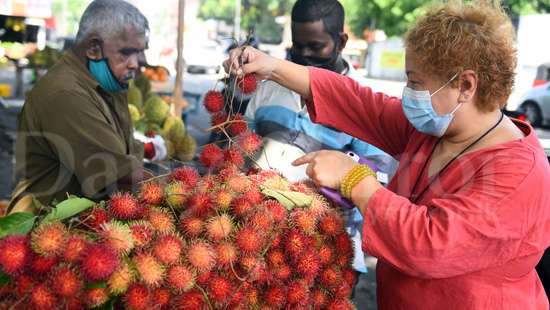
[[418, 108]]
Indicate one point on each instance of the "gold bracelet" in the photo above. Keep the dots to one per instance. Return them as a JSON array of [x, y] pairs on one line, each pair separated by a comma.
[[353, 177]]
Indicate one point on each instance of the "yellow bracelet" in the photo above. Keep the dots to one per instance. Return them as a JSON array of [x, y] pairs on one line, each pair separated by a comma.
[[353, 177]]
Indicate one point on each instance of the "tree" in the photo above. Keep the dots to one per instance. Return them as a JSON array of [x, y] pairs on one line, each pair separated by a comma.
[[257, 15]]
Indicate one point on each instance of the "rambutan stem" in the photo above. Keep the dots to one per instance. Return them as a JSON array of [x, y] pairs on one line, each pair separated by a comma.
[[205, 296]]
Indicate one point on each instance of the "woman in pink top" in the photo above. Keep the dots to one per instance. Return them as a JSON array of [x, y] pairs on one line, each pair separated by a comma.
[[467, 216]]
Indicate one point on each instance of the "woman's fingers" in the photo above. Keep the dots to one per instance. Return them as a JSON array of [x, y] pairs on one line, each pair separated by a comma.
[[306, 159]]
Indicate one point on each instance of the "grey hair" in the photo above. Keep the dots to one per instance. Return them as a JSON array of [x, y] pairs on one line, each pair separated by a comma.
[[108, 18]]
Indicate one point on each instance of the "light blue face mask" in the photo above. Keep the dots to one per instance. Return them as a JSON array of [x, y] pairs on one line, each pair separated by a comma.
[[103, 74], [419, 110]]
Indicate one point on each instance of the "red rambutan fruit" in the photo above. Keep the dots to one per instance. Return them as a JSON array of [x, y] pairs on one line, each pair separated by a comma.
[[277, 210], [203, 278], [239, 183], [222, 199], [201, 256], [217, 120], [149, 269], [296, 243], [238, 125], [275, 296], [219, 289], [226, 253], [151, 193], [207, 184], [277, 241], [249, 142], [251, 295], [213, 101], [137, 297], [192, 300], [247, 84], [331, 224], [41, 264], [275, 258], [74, 303], [200, 204], [233, 156], [340, 304], [343, 290], [43, 298], [142, 233], [74, 247], [191, 226], [96, 297], [255, 268], [211, 156], [121, 279], [326, 254], [241, 207], [15, 253], [23, 285], [117, 236], [249, 240], [161, 220], [307, 264], [349, 276], [180, 278], [343, 260], [298, 292], [176, 194], [319, 206], [330, 277], [320, 298], [343, 244], [123, 206], [98, 262], [304, 221], [49, 239], [254, 196], [187, 175], [261, 219], [228, 171], [219, 227], [162, 298], [168, 248], [95, 217]]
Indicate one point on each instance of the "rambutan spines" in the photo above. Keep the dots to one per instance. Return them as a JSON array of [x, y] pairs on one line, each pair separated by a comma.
[[343, 244], [176, 193], [123, 206], [168, 248], [331, 224], [149, 269], [201, 256], [247, 84], [180, 278], [237, 125], [249, 142], [234, 157], [200, 204], [222, 200], [192, 300], [152, 193], [220, 289], [74, 247], [98, 262], [121, 279], [277, 210], [340, 304], [95, 217], [187, 175], [15, 253], [275, 258], [296, 243], [191, 226], [117, 236], [161, 220], [304, 221], [307, 264], [241, 207], [239, 183], [211, 156], [249, 240], [218, 121], [142, 233], [320, 298], [137, 297], [275, 296], [330, 277], [41, 264], [298, 293], [49, 239], [162, 298], [95, 297], [43, 298], [219, 227], [23, 285], [226, 253], [214, 101]]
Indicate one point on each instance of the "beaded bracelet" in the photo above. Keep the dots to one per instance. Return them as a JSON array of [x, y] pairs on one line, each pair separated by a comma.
[[353, 177]]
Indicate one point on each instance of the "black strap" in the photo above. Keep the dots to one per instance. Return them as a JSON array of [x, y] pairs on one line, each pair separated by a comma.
[[415, 198]]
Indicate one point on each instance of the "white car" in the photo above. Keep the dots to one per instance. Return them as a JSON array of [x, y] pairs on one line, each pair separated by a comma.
[[535, 104], [204, 57]]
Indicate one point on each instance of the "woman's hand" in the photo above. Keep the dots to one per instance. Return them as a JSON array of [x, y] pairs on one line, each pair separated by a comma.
[[326, 168], [248, 60]]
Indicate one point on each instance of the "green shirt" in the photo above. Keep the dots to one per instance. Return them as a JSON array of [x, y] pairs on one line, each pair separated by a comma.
[[73, 137]]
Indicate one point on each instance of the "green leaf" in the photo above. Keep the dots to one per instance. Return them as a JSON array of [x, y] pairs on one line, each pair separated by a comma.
[[67, 209], [289, 199], [4, 279], [100, 284], [19, 223], [109, 305]]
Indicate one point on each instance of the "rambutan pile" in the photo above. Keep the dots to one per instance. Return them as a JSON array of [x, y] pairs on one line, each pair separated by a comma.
[[220, 241]]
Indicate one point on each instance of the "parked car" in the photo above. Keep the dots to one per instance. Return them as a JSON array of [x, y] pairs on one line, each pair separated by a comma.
[[204, 57], [535, 104]]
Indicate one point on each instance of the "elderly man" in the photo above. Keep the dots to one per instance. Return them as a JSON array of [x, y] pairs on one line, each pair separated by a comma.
[[75, 131]]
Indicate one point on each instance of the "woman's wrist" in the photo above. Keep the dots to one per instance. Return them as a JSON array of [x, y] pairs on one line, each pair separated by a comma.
[[363, 192]]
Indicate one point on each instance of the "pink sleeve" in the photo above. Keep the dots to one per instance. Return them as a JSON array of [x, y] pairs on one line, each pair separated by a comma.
[[376, 118], [483, 225]]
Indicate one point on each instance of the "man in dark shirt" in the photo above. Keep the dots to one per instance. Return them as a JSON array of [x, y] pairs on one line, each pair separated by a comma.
[[75, 131]]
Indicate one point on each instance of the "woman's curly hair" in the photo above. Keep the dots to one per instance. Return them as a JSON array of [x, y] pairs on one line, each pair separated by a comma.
[[455, 36]]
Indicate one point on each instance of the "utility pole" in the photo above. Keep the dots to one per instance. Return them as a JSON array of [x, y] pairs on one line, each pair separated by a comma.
[[179, 103], [237, 22]]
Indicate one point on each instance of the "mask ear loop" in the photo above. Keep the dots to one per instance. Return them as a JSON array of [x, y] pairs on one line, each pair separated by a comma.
[[445, 85]]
